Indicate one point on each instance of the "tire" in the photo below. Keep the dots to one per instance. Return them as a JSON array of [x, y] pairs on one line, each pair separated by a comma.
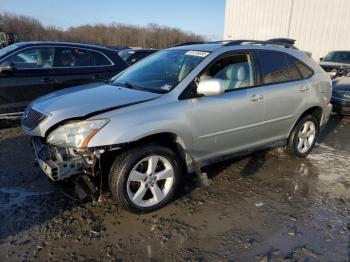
[[134, 182], [302, 136]]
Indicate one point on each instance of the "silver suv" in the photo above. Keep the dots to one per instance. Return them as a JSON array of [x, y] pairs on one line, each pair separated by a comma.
[[177, 111]]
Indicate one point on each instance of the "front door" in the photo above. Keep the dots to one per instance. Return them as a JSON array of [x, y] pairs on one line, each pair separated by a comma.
[[230, 122], [29, 79]]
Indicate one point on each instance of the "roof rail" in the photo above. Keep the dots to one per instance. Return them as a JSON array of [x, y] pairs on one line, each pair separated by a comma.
[[189, 43], [282, 42]]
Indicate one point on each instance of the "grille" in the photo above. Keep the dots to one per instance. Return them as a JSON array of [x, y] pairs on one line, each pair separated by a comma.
[[32, 118]]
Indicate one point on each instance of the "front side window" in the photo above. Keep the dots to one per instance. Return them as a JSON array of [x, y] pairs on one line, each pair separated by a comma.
[[236, 71], [161, 72], [277, 67], [33, 58]]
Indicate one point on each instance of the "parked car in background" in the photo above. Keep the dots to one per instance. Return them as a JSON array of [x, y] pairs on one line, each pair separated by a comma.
[[131, 56], [7, 39], [32, 69], [341, 94], [336, 63], [177, 111], [118, 47]]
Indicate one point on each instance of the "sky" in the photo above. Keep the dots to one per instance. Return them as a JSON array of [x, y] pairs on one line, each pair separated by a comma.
[[204, 17]]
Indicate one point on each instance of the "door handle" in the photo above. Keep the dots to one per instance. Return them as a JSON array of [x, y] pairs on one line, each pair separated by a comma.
[[97, 77], [256, 97], [303, 88], [47, 80]]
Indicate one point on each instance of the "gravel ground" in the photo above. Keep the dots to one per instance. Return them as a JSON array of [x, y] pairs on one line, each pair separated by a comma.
[[267, 206]]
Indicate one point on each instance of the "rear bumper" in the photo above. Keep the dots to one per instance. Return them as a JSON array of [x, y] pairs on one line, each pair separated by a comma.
[[57, 163], [326, 114]]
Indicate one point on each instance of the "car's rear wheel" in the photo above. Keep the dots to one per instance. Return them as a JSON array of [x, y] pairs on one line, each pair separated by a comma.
[[303, 137], [145, 178]]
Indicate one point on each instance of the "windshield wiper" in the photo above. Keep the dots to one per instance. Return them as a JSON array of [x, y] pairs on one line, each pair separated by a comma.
[[124, 84], [129, 85]]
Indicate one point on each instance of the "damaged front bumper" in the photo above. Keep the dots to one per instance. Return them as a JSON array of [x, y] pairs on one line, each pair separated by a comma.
[[59, 163]]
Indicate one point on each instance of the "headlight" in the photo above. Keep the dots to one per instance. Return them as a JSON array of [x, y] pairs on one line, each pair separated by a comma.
[[76, 134], [346, 95], [341, 94]]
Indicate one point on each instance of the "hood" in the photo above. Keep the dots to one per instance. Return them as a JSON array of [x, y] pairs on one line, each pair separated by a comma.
[[341, 84], [88, 100]]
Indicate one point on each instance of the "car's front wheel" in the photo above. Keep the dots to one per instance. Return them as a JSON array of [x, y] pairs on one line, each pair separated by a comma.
[[304, 136], [145, 178]]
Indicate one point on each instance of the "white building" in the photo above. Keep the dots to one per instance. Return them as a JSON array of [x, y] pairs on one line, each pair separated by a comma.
[[319, 26]]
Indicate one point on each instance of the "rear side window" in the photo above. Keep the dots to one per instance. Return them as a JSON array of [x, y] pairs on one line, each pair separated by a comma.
[[278, 67], [72, 57], [79, 57]]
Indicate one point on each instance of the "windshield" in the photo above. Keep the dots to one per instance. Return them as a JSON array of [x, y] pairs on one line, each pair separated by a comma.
[[160, 72], [7, 49], [339, 57]]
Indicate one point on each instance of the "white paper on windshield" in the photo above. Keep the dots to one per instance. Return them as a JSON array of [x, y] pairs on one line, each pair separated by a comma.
[[197, 53]]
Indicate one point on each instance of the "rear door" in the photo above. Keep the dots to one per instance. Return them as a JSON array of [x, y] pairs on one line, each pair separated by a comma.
[[286, 93], [30, 79], [76, 66]]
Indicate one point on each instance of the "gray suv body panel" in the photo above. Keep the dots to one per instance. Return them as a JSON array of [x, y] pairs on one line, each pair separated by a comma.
[[207, 127]]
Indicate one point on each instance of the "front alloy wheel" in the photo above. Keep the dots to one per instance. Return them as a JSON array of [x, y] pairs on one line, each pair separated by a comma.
[[145, 178], [150, 181]]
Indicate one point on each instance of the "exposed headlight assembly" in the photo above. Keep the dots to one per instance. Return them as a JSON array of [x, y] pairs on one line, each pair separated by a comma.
[[76, 134]]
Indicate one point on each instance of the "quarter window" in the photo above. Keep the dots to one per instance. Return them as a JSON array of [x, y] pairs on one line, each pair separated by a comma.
[[100, 59], [33, 58], [303, 69], [278, 67], [236, 71]]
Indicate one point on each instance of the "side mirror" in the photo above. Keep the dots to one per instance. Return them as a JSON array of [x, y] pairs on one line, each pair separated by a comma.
[[211, 87], [321, 59], [8, 67]]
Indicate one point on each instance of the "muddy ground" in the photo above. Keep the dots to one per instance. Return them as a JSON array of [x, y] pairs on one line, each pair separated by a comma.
[[264, 207]]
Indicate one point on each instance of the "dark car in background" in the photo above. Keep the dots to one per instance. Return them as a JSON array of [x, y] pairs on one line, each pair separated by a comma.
[[341, 94], [32, 69], [336, 62], [131, 56]]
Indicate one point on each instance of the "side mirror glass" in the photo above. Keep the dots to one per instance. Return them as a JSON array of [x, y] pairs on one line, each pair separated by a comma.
[[211, 87], [321, 59], [7, 67]]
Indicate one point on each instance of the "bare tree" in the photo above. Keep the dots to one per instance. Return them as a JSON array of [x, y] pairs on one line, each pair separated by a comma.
[[152, 35]]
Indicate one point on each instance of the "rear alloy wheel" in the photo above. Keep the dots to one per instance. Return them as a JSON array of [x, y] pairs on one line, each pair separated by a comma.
[[145, 178], [304, 136]]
